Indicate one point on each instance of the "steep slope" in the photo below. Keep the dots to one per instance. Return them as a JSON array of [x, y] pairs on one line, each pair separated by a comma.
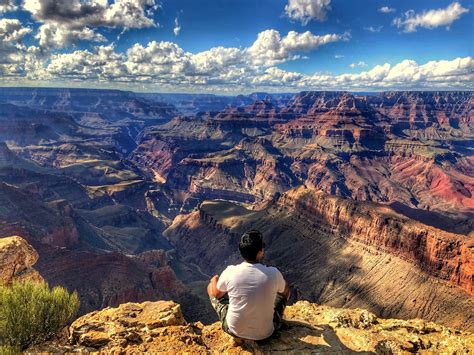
[[82, 234], [108, 279], [97, 175], [421, 109]]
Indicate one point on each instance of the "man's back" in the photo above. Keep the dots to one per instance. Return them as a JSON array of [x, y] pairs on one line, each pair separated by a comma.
[[252, 289]]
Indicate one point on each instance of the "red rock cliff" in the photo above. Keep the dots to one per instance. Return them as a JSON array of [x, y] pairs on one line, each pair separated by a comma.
[[444, 255]]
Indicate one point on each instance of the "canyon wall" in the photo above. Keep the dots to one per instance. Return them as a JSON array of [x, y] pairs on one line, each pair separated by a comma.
[[92, 178], [444, 255]]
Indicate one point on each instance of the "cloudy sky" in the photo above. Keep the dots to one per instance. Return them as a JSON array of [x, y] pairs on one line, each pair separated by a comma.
[[238, 46]]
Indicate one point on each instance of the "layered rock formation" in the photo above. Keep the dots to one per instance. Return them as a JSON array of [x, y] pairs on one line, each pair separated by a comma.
[[17, 258], [358, 147], [343, 123], [452, 109], [161, 327], [308, 328], [85, 233]]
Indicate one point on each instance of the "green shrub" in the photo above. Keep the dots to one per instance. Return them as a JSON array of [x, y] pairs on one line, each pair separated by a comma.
[[31, 313], [8, 350]]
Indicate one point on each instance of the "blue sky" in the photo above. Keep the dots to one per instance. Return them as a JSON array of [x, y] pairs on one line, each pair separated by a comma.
[[236, 23], [425, 43]]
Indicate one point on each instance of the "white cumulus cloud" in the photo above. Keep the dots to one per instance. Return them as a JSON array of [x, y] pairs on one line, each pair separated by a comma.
[[12, 31], [103, 64], [274, 76], [165, 65], [70, 20], [16, 59], [58, 35], [386, 9], [408, 74], [270, 48], [78, 13], [307, 10], [430, 19]]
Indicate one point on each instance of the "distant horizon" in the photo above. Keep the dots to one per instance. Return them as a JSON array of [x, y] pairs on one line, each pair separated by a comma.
[[226, 94]]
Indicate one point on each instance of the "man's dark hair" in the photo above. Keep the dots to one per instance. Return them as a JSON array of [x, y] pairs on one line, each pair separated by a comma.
[[250, 244]]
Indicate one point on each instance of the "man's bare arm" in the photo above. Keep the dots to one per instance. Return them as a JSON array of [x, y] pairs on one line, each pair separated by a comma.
[[212, 289], [286, 291]]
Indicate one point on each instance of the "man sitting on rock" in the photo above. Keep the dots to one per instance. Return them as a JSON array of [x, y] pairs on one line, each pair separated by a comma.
[[257, 294]]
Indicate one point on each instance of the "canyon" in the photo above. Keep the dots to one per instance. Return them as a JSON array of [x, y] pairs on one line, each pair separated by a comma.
[[364, 200]]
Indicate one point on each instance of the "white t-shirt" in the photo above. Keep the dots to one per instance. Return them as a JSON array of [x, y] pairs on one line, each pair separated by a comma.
[[252, 290]]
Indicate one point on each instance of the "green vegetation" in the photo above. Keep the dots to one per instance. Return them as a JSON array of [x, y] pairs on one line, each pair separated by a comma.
[[31, 313], [8, 350]]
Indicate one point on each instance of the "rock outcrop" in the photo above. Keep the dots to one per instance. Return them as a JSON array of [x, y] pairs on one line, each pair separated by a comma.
[[451, 109], [155, 327], [17, 258]]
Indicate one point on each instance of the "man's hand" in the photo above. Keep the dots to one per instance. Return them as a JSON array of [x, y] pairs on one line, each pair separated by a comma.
[[286, 292], [212, 289]]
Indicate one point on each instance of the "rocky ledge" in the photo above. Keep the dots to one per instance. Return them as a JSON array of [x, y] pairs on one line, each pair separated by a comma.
[[155, 327]]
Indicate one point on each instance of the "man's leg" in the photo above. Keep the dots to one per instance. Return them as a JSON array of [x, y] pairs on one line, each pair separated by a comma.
[[221, 306], [280, 305]]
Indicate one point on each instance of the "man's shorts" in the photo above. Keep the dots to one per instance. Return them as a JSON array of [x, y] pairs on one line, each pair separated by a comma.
[[221, 307]]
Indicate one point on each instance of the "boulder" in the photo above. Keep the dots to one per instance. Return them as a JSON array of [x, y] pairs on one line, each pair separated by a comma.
[[128, 324], [17, 258]]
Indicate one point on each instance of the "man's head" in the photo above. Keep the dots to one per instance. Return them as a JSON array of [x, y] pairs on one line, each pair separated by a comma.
[[251, 246]]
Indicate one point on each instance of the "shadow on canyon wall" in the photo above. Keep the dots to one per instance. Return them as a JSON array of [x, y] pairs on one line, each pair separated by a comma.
[[435, 219]]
